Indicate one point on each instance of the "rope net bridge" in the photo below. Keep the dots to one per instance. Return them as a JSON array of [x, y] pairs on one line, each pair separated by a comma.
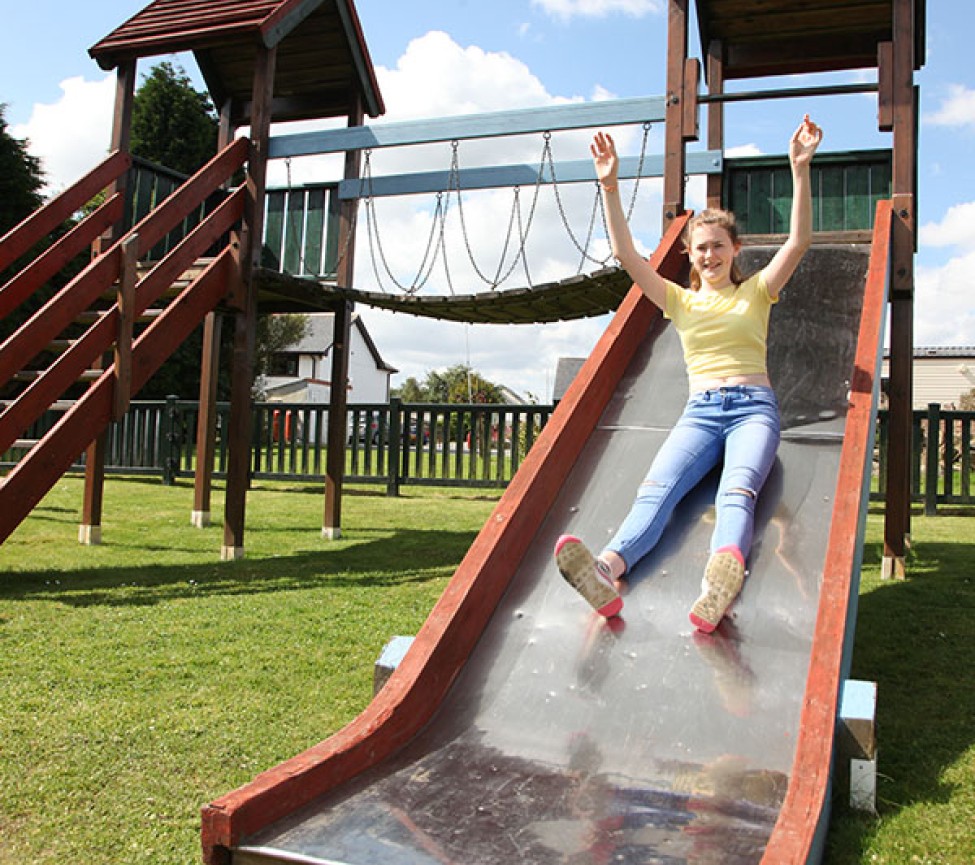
[[578, 296]]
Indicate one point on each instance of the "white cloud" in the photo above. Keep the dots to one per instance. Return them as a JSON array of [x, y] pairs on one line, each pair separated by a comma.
[[437, 77], [72, 135], [958, 109], [944, 307], [957, 228], [566, 9]]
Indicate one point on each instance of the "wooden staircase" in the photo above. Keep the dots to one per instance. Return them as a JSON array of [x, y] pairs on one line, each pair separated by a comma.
[[100, 308]]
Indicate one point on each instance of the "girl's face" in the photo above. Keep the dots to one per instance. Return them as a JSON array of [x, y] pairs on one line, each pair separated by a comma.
[[712, 253]]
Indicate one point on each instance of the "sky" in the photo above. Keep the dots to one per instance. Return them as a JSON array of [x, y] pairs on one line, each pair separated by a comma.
[[435, 58]]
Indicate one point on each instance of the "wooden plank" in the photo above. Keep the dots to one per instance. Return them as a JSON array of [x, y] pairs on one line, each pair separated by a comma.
[[499, 176], [780, 199], [52, 260], [582, 115], [831, 200], [273, 254], [315, 227], [294, 231], [41, 223], [125, 303], [858, 201]]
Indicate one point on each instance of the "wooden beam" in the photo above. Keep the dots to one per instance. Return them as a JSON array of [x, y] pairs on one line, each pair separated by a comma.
[[674, 150], [897, 512], [341, 335], [690, 122], [245, 320], [89, 532], [715, 77], [583, 115], [206, 422], [126, 322], [493, 177]]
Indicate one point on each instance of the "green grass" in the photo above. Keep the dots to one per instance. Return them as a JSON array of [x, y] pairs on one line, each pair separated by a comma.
[[143, 678]]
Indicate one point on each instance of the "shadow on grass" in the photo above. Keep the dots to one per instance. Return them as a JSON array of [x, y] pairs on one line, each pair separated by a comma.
[[914, 638], [408, 556]]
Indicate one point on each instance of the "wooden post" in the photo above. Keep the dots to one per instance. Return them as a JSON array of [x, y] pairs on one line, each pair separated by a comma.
[[345, 272], [900, 108], [245, 319], [126, 324], [715, 75], [90, 529], [674, 149], [206, 426]]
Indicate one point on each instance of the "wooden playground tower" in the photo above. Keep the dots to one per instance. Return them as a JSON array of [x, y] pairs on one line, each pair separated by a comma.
[[280, 60]]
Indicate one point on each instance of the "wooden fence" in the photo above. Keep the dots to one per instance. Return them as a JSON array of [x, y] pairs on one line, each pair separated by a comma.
[[389, 444], [399, 444]]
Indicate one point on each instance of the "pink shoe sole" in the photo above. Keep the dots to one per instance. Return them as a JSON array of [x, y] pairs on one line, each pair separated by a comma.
[[578, 568], [723, 579]]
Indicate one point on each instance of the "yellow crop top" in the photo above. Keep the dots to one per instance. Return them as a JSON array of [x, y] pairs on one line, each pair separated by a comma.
[[723, 333]]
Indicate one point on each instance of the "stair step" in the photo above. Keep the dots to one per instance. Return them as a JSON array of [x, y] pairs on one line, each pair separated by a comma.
[[93, 315], [29, 375]]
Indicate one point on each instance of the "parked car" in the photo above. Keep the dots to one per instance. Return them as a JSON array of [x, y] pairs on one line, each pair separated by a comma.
[[368, 429]]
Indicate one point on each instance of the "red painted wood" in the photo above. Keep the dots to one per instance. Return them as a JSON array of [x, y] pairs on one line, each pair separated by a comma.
[[41, 223], [446, 639], [98, 339], [795, 829], [50, 262], [30, 479]]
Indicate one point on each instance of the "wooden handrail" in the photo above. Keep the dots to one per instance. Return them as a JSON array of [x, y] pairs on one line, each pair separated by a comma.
[[32, 403], [42, 268], [42, 222]]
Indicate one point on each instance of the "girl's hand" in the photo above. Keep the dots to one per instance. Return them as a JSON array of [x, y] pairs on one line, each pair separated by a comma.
[[804, 142], [604, 158]]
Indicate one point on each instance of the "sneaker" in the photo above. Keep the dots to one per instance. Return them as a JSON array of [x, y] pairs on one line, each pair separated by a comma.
[[723, 577], [579, 568]]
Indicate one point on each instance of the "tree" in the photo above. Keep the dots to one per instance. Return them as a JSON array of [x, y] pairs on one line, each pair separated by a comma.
[[172, 124], [456, 384], [275, 333], [21, 178]]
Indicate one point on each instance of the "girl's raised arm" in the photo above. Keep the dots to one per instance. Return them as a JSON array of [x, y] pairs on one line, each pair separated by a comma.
[[606, 163], [802, 146]]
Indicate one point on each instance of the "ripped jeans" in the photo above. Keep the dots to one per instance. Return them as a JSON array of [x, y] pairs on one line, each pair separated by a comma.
[[739, 423]]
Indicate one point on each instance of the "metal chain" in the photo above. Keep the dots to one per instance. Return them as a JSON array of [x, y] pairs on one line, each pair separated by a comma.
[[437, 240]]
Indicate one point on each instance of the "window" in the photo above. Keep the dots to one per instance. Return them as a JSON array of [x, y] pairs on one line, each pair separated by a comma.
[[283, 364]]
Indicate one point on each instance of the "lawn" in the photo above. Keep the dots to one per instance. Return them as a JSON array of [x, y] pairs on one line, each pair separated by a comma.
[[144, 678]]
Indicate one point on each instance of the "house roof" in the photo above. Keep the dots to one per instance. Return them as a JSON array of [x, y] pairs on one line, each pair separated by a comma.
[[322, 59], [320, 335], [783, 37]]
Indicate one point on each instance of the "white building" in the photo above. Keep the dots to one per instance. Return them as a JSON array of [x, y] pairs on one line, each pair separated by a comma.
[[302, 373], [942, 374]]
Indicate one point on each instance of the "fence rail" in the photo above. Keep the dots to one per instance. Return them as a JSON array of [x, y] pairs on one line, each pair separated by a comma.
[[399, 444], [391, 444]]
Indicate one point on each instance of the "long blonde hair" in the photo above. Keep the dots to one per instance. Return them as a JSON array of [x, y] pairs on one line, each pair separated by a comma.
[[723, 219]]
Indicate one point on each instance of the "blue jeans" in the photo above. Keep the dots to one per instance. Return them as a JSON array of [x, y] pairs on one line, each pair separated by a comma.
[[740, 424]]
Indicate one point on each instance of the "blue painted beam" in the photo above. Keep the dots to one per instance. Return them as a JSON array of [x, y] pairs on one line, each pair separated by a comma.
[[577, 171], [524, 121]]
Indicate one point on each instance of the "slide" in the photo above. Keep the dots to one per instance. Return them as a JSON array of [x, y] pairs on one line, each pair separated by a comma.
[[522, 728]]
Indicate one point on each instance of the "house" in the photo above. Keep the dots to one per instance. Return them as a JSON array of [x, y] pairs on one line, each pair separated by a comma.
[[565, 373], [942, 374], [301, 373]]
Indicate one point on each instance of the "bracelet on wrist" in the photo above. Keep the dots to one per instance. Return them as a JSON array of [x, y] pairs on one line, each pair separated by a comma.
[[608, 187]]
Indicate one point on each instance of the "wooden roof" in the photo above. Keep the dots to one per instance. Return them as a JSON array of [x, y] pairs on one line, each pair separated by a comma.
[[322, 58], [785, 37]]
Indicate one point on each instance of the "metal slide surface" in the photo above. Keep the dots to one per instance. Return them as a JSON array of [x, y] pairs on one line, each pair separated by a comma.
[[570, 739]]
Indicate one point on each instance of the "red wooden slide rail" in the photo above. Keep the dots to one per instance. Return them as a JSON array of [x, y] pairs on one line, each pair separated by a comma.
[[444, 643], [34, 475], [802, 817]]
